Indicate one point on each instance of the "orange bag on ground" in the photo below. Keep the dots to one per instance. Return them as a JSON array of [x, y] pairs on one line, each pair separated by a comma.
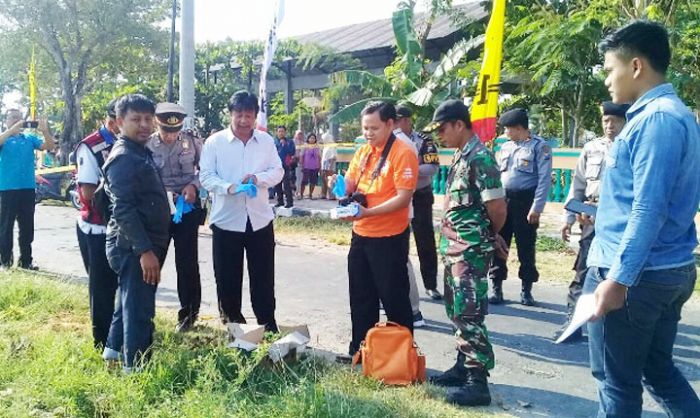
[[389, 354]]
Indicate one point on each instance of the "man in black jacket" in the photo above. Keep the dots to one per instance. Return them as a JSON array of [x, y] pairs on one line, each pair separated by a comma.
[[137, 233]]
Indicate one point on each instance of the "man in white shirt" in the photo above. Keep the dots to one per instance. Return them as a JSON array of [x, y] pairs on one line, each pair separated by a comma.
[[91, 154], [240, 221]]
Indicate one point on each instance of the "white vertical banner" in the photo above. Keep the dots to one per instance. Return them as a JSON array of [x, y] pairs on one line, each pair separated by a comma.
[[270, 48]]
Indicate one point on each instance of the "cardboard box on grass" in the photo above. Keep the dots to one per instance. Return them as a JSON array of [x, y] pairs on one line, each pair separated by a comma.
[[248, 337]]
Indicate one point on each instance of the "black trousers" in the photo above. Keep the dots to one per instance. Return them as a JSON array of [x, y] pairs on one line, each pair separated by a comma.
[[284, 190], [580, 266], [259, 246], [377, 271], [102, 284], [424, 234], [189, 287], [16, 205], [519, 204]]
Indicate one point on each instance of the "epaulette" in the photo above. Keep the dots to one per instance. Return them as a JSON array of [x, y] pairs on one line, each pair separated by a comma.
[[95, 142]]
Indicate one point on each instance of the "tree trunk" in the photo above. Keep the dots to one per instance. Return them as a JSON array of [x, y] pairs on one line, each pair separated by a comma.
[[564, 128], [72, 129], [578, 113]]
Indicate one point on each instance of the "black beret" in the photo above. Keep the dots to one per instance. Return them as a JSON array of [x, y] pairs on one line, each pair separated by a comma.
[[514, 117], [620, 110], [403, 111]]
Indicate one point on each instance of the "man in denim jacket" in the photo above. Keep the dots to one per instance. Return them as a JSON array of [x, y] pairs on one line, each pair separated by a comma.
[[641, 261]]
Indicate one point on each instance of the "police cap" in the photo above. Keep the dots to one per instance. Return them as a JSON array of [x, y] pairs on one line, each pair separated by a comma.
[[449, 111], [170, 116], [610, 108], [514, 117]]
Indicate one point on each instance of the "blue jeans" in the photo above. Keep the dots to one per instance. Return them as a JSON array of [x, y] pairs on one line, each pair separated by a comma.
[[634, 345], [131, 331]]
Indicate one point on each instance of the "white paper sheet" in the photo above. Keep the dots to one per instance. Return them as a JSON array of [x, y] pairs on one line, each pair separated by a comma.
[[585, 308]]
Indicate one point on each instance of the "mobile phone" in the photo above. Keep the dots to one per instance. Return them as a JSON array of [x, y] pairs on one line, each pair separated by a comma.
[[577, 206], [30, 124]]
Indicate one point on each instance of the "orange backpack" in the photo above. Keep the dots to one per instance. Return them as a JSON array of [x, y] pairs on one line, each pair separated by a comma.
[[389, 354]]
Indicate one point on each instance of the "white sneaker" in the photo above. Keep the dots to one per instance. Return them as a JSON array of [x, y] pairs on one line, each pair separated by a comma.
[[111, 355], [418, 321]]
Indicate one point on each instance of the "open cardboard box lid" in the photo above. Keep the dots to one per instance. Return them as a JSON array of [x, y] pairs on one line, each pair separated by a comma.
[[248, 337]]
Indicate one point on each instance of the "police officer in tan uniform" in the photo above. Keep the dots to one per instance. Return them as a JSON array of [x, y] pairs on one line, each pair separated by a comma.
[[586, 188], [176, 153]]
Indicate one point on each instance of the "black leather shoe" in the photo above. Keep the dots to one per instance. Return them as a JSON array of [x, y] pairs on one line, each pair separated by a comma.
[[30, 266], [185, 325], [526, 298], [473, 393], [573, 338]]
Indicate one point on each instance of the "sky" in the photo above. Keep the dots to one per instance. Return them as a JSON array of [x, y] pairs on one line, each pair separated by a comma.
[[215, 20]]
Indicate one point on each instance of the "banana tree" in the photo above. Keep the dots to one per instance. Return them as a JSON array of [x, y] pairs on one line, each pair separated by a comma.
[[408, 78]]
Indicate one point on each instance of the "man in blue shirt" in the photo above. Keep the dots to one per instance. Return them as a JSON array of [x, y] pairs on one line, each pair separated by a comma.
[[17, 184], [641, 261], [287, 152]]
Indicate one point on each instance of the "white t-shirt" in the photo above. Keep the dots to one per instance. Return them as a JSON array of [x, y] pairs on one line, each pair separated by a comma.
[[88, 173]]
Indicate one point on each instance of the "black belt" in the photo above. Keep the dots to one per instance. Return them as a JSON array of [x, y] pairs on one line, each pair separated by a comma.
[[520, 194]]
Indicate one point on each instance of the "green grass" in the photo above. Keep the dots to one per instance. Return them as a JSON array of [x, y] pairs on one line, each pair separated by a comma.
[[48, 368], [330, 230]]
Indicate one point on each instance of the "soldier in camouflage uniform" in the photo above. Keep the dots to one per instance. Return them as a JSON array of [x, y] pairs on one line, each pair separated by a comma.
[[475, 210]]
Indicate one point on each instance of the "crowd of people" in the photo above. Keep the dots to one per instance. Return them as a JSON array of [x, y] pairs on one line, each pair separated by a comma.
[[635, 257]]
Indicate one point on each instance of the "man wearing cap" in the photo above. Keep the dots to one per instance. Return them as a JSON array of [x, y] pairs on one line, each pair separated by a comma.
[[176, 154], [423, 199], [474, 212], [90, 154], [525, 162], [586, 188]]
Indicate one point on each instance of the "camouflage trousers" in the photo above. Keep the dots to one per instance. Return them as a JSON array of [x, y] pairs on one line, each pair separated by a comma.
[[466, 303]]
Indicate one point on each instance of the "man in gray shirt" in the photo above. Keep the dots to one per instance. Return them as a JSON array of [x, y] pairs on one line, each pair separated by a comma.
[[525, 162], [176, 153]]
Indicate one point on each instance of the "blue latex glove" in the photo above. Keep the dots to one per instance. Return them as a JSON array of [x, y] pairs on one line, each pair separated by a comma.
[[339, 189], [248, 188], [181, 208]]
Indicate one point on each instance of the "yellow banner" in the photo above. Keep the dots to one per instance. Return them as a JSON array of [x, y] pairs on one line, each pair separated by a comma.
[[32, 87], [485, 105]]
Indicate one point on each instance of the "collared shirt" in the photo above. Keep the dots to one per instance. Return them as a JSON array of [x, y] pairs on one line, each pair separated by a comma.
[[398, 173], [286, 151], [17, 162], [527, 165], [225, 161], [588, 173], [178, 163], [650, 191], [473, 180], [428, 159]]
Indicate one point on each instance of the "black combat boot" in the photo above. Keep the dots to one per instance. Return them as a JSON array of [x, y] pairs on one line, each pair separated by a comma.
[[576, 336], [473, 393], [526, 295], [457, 375], [497, 296]]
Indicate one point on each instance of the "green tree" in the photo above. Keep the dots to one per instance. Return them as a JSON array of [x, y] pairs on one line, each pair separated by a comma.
[[85, 43], [411, 77]]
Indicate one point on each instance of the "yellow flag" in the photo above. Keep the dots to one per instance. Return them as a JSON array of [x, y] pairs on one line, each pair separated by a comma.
[[485, 106], [32, 87]]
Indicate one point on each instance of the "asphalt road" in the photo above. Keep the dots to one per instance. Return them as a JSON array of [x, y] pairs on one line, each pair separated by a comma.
[[533, 377]]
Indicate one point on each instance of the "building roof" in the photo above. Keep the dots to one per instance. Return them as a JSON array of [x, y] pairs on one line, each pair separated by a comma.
[[380, 33]]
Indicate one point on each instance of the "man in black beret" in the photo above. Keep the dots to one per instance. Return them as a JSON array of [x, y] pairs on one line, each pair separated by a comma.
[[585, 187], [525, 162]]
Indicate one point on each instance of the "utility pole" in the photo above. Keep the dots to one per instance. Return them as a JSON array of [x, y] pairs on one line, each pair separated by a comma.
[[186, 99], [171, 57]]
